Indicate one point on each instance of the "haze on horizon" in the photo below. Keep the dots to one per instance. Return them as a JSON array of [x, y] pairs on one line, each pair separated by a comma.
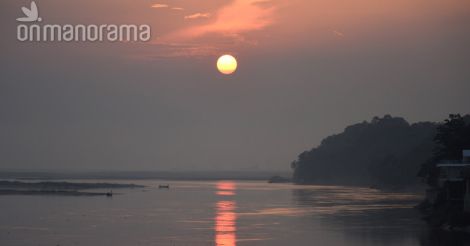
[[306, 70]]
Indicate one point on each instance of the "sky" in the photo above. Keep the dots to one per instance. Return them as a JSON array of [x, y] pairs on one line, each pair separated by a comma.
[[306, 70]]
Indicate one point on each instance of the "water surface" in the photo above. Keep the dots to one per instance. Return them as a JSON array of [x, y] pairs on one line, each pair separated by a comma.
[[220, 213]]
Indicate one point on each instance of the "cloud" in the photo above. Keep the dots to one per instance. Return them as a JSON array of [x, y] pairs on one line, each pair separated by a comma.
[[166, 51], [164, 6], [338, 33], [198, 16], [160, 5], [264, 3], [233, 26], [232, 20]]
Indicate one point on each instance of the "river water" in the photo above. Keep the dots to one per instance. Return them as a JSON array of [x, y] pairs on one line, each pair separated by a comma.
[[220, 213]]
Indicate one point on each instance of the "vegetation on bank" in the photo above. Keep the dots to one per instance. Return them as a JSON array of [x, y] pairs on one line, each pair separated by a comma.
[[447, 201], [452, 136], [389, 152], [385, 152]]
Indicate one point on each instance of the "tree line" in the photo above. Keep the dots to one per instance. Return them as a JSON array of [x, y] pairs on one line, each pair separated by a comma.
[[384, 152]]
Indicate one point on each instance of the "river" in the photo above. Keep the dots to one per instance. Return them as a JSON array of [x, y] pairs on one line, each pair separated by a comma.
[[220, 213]]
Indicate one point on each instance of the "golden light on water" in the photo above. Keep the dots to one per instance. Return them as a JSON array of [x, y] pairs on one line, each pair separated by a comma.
[[227, 64], [226, 217]]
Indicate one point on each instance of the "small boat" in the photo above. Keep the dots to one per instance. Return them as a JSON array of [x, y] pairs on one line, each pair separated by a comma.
[[164, 186], [110, 193]]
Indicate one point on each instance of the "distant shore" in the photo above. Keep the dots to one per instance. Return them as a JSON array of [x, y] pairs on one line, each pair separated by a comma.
[[141, 175], [52, 192], [59, 188]]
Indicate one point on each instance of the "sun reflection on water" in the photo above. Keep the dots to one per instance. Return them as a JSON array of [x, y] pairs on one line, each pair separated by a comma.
[[226, 217]]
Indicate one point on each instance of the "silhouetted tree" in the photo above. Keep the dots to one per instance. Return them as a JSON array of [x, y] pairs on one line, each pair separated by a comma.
[[386, 151], [452, 136]]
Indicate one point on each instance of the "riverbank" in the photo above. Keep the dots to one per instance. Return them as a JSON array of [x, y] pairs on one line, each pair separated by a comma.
[[59, 188], [53, 192]]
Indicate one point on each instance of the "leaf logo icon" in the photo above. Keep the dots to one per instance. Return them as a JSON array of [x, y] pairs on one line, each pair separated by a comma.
[[32, 14]]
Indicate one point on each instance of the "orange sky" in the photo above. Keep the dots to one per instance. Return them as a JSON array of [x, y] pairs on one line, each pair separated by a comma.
[[205, 28], [281, 24]]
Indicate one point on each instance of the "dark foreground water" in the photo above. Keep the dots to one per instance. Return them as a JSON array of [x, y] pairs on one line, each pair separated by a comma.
[[220, 213]]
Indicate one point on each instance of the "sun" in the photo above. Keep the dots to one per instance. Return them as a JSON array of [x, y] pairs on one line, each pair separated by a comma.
[[227, 64]]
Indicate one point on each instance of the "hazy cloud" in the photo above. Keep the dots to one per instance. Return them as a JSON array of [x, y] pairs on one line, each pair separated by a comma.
[[338, 33], [238, 17], [160, 5], [164, 6], [198, 16], [264, 4], [231, 23]]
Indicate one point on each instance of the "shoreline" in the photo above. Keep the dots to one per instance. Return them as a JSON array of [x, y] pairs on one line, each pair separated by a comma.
[[52, 192], [59, 188]]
